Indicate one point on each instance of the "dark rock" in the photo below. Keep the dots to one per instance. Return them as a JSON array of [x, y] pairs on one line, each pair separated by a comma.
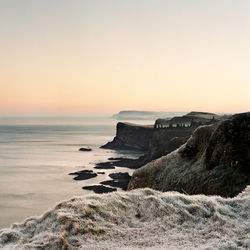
[[85, 149], [198, 143], [229, 145], [131, 136], [122, 162], [116, 184], [214, 161], [165, 141], [120, 180], [100, 172], [105, 165], [100, 189], [83, 175], [116, 158], [120, 176]]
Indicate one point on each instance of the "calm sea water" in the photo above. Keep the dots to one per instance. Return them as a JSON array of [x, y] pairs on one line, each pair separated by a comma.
[[37, 154]]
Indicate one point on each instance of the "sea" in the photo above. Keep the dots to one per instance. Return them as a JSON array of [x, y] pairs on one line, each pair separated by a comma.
[[42, 207], [38, 153]]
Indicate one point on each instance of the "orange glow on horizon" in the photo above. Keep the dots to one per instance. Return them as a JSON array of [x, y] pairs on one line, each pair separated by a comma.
[[163, 56]]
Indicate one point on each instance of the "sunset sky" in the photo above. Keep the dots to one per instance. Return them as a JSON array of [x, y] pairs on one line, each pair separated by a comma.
[[80, 56]]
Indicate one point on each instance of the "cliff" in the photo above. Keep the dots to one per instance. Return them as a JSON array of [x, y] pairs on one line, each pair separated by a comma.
[[214, 161], [166, 140], [160, 140], [131, 136]]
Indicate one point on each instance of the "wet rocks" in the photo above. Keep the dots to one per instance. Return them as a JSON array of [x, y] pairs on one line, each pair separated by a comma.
[[83, 175], [85, 149], [105, 165], [122, 162], [120, 180], [99, 189]]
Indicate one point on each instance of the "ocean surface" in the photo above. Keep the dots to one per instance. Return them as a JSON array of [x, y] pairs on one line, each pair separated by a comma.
[[38, 153]]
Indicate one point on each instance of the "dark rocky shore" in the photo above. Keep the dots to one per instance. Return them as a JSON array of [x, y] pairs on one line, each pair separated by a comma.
[[120, 180], [214, 160]]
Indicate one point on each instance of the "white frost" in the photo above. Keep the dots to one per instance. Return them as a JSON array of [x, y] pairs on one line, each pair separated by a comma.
[[139, 219]]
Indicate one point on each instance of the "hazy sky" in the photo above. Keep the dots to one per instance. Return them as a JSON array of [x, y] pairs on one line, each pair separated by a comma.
[[110, 55]]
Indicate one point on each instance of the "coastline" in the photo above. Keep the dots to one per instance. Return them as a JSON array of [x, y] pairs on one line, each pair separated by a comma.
[[126, 219]]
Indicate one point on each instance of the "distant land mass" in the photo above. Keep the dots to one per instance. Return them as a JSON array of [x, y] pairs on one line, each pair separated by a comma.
[[141, 115]]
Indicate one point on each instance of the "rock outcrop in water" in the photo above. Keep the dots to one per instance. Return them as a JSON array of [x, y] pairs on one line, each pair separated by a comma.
[[140, 219], [214, 161]]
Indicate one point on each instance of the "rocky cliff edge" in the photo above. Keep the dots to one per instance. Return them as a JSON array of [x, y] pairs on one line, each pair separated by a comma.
[[214, 161]]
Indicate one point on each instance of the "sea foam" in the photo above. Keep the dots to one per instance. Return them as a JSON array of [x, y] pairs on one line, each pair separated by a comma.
[[139, 219]]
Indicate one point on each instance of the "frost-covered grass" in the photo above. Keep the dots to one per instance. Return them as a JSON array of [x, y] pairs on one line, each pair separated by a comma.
[[139, 219]]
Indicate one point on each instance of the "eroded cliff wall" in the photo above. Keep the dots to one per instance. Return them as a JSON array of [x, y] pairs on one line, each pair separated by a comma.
[[131, 136], [214, 161], [166, 140]]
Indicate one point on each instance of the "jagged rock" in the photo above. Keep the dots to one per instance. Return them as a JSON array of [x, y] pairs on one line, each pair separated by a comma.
[[214, 161]]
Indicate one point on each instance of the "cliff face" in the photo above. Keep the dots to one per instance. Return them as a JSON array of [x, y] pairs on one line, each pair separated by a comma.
[[157, 141], [214, 161], [166, 140], [154, 142], [131, 136]]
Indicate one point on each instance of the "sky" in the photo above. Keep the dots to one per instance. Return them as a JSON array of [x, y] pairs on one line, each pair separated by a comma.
[[79, 56]]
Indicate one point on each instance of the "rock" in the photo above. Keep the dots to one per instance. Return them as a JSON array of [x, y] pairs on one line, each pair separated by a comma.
[[100, 172], [85, 149], [100, 189], [131, 136], [214, 161], [105, 165], [116, 158], [120, 176], [122, 162], [155, 141], [116, 184], [120, 180], [83, 175], [166, 140], [229, 145]]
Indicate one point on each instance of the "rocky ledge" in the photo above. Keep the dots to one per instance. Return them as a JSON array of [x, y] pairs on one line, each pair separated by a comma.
[[214, 161]]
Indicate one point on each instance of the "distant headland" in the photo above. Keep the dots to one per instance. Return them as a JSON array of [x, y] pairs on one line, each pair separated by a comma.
[[141, 115]]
